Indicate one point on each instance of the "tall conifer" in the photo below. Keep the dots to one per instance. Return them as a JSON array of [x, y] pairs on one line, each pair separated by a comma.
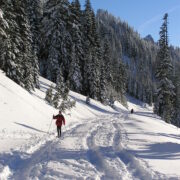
[[165, 89]]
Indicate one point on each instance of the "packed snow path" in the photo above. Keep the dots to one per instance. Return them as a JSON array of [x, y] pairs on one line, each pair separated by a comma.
[[95, 149]]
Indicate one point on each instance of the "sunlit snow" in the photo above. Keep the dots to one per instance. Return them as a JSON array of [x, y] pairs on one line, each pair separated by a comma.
[[98, 142]]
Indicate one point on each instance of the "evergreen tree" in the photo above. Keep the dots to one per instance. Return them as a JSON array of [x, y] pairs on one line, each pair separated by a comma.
[[49, 95], [75, 77], [26, 51], [18, 63], [120, 82], [92, 78], [3, 39], [60, 90], [60, 85], [35, 13], [77, 60], [61, 99], [165, 89], [88, 100], [12, 64], [56, 99], [92, 53], [55, 42], [66, 103], [103, 85], [108, 66], [30, 66], [176, 119]]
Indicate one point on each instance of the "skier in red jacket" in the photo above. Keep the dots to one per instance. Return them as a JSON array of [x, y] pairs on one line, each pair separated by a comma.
[[59, 121]]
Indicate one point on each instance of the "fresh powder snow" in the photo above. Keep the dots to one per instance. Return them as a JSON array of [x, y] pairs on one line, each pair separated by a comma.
[[97, 142]]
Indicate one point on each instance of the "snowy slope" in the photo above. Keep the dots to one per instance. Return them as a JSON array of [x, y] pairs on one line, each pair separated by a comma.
[[97, 143]]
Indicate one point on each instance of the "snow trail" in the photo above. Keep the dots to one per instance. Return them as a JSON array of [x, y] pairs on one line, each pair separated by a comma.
[[89, 150]]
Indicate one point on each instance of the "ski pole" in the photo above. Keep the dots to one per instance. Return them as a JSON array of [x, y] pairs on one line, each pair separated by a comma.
[[50, 126]]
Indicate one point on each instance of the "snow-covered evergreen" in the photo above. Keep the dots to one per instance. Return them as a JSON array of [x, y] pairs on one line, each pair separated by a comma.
[[18, 59], [165, 89], [3, 39], [77, 53], [53, 50], [49, 95]]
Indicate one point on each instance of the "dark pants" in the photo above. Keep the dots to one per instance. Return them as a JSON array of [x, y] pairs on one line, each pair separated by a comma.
[[59, 131]]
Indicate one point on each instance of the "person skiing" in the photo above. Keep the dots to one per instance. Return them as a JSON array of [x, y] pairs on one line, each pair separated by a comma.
[[132, 111], [59, 121]]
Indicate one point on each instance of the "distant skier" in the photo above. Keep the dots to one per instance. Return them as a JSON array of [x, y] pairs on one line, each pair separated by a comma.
[[132, 111], [59, 121]]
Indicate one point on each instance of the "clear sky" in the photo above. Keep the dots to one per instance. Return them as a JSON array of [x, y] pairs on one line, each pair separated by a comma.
[[145, 16]]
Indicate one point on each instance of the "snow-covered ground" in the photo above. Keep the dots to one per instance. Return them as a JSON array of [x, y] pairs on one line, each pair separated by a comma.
[[97, 142]]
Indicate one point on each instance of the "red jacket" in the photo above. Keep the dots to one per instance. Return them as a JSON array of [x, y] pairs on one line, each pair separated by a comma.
[[59, 119]]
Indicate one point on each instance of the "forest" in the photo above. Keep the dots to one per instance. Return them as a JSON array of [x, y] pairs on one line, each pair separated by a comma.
[[92, 53]]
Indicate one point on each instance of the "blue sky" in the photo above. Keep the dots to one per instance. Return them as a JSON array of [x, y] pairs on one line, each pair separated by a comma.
[[145, 16]]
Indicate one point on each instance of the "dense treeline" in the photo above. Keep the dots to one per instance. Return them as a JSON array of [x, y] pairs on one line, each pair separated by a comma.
[[72, 45], [96, 55], [137, 54], [17, 57], [152, 68]]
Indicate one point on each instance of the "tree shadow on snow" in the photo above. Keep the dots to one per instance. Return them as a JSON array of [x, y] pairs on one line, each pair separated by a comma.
[[153, 134], [167, 150], [146, 114], [29, 127], [93, 106]]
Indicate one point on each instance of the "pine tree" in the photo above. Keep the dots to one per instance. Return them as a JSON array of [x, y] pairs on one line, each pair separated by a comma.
[[11, 56], [18, 57], [35, 13], [75, 78], [66, 103], [103, 85], [165, 89], [107, 61], [55, 42], [30, 66], [92, 78], [60, 85], [87, 22], [49, 95], [56, 99], [91, 70], [176, 119], [77, 60], [120, 82], [61, 99], [88, 100], [111, 99], [3, 39], [60, 89]]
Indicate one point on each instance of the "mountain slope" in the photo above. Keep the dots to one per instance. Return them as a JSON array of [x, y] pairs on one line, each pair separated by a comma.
[[97, 143]]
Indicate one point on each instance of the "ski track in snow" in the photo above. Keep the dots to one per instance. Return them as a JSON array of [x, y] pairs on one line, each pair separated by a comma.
[[94, 149]]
